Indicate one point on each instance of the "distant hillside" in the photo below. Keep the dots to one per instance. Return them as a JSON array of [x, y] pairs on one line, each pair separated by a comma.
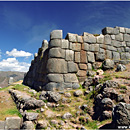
[[5, 75]]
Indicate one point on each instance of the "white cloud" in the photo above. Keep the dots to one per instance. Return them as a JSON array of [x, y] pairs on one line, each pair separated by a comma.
[[17, 53], [12, 64]]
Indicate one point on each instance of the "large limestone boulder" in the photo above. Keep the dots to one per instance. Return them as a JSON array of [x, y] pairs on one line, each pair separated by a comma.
[[28, 125], [121, 114], [107, 64]]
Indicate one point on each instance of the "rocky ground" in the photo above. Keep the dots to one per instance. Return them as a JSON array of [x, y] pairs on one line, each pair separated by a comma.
[[89, 107]]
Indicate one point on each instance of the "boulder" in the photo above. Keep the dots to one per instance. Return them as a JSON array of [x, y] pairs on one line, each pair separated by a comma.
[[88, 82], [53, 96], [111, 84], [42, 124], [28, 125], [121, 114], [107, 64], [31, 116], [76, 46], [107, 104], [78, 93], [89, 38], [106, 115], [67, 115], [121, 67], [12, 123]]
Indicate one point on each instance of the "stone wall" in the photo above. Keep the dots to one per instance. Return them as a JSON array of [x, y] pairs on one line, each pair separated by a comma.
[[63, 63]]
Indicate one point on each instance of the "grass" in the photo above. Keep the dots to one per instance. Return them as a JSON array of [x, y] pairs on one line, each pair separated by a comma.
[[123, 87], [20, 87]]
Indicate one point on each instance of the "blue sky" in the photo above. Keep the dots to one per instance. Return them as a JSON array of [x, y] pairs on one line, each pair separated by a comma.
[[23, 25]]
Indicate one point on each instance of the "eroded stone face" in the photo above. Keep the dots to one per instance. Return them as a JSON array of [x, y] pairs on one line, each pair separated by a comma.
[[57, 65]]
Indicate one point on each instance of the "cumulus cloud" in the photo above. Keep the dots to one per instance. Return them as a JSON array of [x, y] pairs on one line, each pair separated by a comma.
[[12, 64], [17, 53]]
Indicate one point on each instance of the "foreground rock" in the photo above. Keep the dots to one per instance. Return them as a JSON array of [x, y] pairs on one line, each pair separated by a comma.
[[108, 64], [24, 101], [121, 115], [50, 96], [121, 67]]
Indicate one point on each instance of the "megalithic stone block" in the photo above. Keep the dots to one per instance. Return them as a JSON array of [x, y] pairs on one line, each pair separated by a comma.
[[57, 65], [56, 34]]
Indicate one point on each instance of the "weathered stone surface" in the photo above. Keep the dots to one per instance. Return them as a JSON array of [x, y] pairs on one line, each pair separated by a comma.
[[125, 56], [121, 67], [72, 67], [81, 73], [126, 37], [55, 43], [65, 44], [55, 77], [108, 47], [127, 30], [107, 30], [56, 53], [56, 34], [117, 43], [71, 37], [53, 96], [88, 82], [91, 57], [108, 54], [100, 56], [128, 44], [85, 46], [12, 123], [122, 29], [79, 39], [42, 124], [57, 65], [77, 57], [31, 116], [94, 47], [83, 57], [113, 37], [107, 104], [119, 37], [100, 39], [89, 66], [68, 78], [28, 125], [115, 55], [107, 40], [76, 46], [75, 86], [89, 38], [106, 115], [82, 66], [67, 115], [2, 125], [70, 45], [69, 55], [108, 64], [121, 114], [78, 93]]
